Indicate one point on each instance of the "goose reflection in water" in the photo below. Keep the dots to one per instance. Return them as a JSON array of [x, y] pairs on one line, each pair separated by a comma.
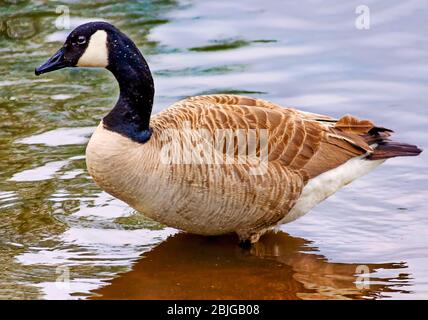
[[280, 266]]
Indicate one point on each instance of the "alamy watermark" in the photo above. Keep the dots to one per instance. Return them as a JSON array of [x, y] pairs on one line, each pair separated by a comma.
[[62, 22], [363, 280], [220, 147], [362, 21], [63, 277]]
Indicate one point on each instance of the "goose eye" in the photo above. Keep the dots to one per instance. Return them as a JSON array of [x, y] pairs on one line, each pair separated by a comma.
[[81, 40]]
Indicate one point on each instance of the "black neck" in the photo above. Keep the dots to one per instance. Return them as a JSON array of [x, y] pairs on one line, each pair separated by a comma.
[[131, 115]]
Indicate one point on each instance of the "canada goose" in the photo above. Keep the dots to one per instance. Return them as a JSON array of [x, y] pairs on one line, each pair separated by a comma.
[[299, 158]]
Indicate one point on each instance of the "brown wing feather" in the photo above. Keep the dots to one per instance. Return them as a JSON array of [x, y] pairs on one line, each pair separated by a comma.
[[304, 142]]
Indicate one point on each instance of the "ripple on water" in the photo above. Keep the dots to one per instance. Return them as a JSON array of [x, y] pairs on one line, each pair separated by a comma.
[[8, 199], [100, 205], [60, 137], [45, 172], [80, 248], [9, 83], [61, 96]]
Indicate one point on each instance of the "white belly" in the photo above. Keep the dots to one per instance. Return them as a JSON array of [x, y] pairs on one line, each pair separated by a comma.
[[327, 183]]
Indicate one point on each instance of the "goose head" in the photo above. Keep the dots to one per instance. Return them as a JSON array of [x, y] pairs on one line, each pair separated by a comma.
[[93, 44], [86, 46], [102, 45]]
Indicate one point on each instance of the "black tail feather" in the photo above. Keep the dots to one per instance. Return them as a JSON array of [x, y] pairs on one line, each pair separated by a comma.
[[390, 149]]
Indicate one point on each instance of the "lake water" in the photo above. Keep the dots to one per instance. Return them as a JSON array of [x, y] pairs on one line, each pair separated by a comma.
[[62, 237]]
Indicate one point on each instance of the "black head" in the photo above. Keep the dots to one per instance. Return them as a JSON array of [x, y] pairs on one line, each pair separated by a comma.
[[99, 44], [88, 45]]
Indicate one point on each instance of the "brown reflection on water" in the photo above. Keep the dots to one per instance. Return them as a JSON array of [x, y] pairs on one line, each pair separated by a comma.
[[280, 266]]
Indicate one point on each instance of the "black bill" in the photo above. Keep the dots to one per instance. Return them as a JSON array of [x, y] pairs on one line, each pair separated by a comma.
[[56, 62]]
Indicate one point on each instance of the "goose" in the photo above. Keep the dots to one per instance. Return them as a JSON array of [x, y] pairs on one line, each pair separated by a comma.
[[190, 166]]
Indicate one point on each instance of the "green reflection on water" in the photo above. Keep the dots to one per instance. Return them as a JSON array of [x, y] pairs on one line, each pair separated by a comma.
[[35, 213]]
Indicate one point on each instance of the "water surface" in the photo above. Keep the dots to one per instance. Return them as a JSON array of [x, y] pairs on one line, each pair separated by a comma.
[[56, 224]]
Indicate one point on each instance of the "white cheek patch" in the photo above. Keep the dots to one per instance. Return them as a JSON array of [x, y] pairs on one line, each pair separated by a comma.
[[96, 54]]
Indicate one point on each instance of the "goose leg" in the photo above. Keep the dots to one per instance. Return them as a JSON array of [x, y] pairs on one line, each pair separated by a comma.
[[247, 238], [245, 244]]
